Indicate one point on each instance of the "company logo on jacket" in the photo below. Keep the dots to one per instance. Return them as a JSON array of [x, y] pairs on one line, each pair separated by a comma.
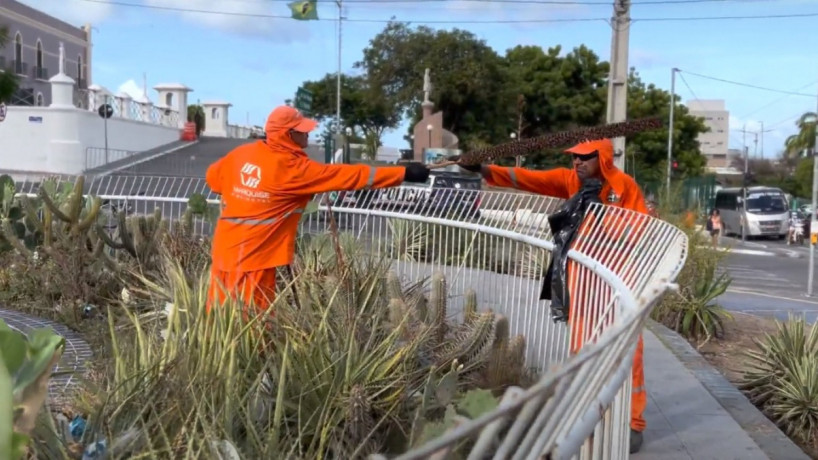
[[250, 175]]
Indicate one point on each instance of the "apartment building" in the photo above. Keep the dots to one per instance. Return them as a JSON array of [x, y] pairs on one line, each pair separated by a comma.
[[714, 143], [33, 51]]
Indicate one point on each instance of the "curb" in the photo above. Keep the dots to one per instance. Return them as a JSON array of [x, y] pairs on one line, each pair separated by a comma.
[[761, 430]]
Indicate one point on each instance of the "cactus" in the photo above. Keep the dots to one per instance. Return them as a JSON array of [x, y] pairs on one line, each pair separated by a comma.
[[470, 307], [480, 346], [140, 236], [61, 213], [438, 301]]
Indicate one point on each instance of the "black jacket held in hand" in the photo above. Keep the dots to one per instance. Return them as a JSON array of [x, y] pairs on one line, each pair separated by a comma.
[[416, 172], [564, 225]]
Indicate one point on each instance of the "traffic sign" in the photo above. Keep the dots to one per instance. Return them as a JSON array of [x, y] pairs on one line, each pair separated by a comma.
[[303, 100], [2, 111], [106, 111]]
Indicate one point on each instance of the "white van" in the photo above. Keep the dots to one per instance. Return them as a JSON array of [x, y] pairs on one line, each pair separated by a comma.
[[766, 211]]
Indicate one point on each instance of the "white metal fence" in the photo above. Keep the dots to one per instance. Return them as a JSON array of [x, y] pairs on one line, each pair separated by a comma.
[[499, 245]]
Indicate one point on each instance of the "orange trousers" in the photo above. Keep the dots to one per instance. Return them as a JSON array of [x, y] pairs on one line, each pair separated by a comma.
[[258, 287], [639, 396]]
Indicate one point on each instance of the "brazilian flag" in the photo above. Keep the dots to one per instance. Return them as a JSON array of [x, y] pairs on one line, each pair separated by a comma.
[[304, 10]]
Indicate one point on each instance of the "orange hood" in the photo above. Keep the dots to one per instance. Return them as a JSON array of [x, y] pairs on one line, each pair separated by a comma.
[[610, 173], [277, 129]]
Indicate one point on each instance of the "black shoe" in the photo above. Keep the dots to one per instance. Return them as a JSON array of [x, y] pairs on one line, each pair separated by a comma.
[[636, 441]]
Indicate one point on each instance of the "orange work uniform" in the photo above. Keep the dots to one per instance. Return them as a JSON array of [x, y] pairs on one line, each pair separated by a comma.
[[265, 187], [619, 189]]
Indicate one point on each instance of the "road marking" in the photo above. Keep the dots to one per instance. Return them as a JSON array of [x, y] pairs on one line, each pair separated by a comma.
[[750, 252], [740, 291]]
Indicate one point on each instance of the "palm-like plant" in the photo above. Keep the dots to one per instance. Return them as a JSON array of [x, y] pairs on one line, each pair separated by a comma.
[[805, 138], [8, 81]]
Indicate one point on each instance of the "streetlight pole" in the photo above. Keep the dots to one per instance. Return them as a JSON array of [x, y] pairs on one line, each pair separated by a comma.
[[813, 228], [338, 77], [670, 127], [744, 221]]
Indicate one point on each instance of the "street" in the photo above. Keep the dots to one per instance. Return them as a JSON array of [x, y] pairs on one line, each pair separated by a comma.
[[769, 278]]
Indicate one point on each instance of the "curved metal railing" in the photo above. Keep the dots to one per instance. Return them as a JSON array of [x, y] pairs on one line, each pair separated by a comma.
[[499, 244]]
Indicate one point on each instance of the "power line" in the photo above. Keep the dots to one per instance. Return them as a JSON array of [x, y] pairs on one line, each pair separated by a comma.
[[748, 85], [776, 101], [729, 131], [452, 21]]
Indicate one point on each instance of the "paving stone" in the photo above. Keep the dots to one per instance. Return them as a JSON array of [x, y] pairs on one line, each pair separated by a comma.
[[73, 361]]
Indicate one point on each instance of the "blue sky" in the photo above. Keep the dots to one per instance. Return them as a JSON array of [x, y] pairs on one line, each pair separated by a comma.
[[257, 62]]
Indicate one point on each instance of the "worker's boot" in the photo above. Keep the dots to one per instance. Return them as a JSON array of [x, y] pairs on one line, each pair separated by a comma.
[[636, 441]]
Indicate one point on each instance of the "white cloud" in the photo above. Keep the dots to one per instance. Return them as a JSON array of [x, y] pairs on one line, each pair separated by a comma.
[[241, 21], [74, 12], [131, 88]]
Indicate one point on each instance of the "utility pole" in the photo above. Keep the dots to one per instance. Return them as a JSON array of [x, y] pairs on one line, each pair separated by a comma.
[[744, 201], [618, 78], [338, 78], [670, 127], [814, 223], [762, 139], [755, 146]]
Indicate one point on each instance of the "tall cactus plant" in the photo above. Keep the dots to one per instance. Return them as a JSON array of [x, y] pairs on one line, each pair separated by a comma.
[[59, 213], [480, 346], [140, 236]]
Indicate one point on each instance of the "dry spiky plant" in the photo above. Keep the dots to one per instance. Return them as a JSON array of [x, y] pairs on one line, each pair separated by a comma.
[[560, 139]]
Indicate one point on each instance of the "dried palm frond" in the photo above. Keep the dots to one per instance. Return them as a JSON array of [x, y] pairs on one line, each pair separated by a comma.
[[560, 139]]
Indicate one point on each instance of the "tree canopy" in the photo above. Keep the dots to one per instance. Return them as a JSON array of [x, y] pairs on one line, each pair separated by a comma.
[[486, 96], [8, 79]]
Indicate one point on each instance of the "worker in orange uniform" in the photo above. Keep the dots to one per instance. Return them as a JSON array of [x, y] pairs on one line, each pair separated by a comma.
[[265, 187], [593, 159]]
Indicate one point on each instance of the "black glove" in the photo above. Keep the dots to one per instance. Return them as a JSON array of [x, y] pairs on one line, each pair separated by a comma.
[[472, 168], [416, 172]]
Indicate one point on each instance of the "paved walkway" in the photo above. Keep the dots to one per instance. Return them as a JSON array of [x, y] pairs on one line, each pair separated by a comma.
[[694, 413]]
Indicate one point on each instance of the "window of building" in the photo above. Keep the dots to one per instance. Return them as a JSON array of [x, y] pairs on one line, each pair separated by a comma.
[[40, 102], [214, 113], [169, 100], [39, 71], [18, 53], [79, 66]]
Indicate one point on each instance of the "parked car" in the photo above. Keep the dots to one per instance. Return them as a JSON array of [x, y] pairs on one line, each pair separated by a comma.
[[439, 200]]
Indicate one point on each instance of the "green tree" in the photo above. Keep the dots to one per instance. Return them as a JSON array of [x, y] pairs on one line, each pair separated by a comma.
[[195, 114], [364, 107], [803, 178], [796, 144], [8, 79], [560, 92], [468, 78], [649, 149]]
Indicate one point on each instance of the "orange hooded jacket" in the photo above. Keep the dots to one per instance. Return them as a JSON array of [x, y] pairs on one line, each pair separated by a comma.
[[618, 189], [266, 185]]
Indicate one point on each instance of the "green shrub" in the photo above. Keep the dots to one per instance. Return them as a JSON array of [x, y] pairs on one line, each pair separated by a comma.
[[693, 310], [360, 363], [782, 378], [26, 363]]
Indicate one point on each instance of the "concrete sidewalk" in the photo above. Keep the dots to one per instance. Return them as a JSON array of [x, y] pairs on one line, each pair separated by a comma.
[[693, 414]]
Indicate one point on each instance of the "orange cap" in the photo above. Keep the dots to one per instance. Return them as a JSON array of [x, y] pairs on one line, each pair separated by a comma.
[[285, 117], [603, 146]]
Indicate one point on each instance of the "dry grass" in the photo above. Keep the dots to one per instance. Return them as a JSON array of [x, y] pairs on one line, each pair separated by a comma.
[[727, 354]]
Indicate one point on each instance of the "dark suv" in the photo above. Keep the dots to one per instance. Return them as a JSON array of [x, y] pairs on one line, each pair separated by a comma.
[[448, 192]]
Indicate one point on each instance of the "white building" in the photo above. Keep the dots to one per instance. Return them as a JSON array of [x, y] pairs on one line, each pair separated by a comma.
[[714, 143]]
